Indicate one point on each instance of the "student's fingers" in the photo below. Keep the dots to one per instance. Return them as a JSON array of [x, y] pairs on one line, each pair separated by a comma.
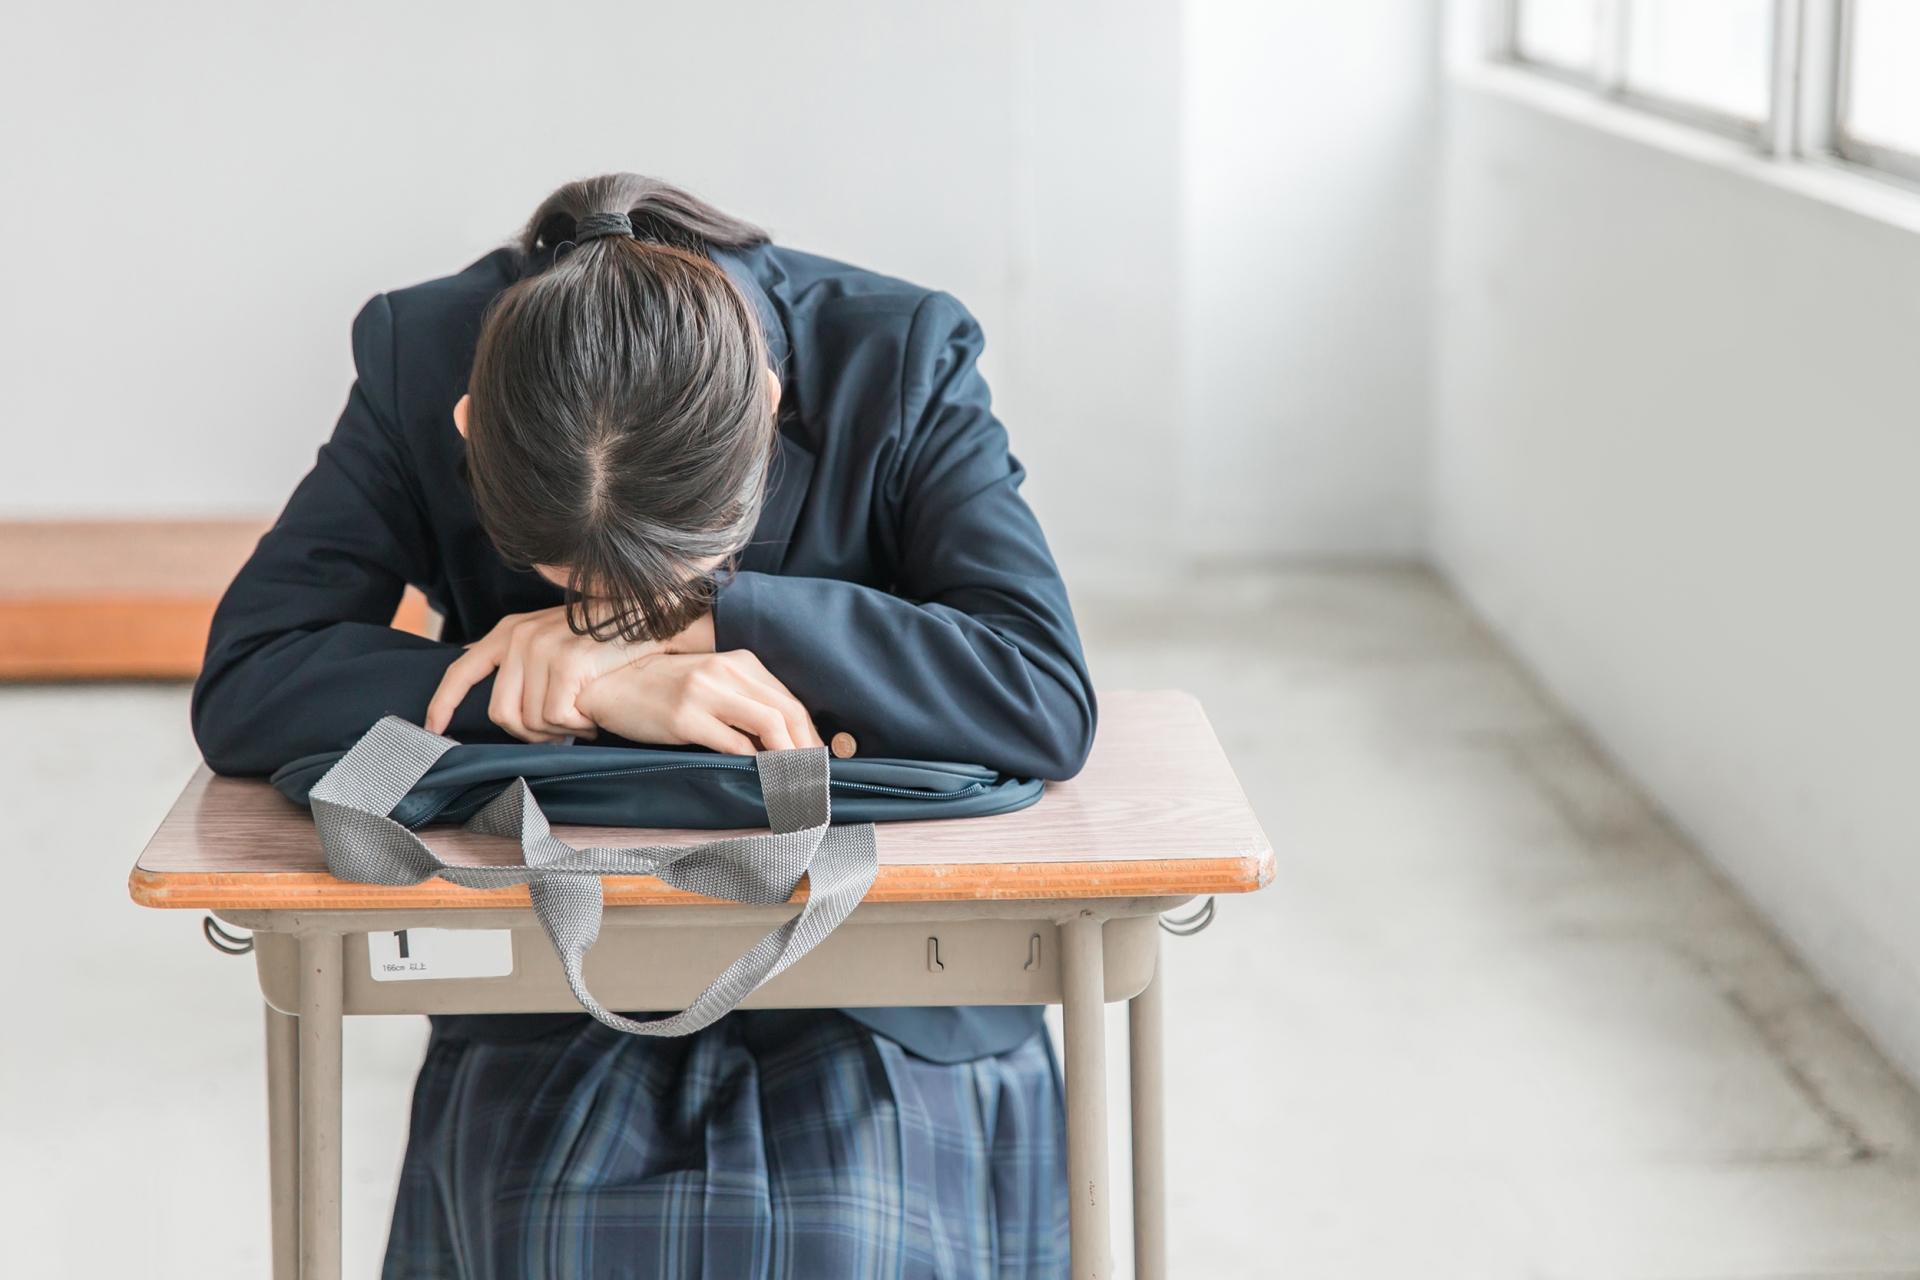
[[524, 676], [533, 700], [560, 711], [704, 729], [533, 652], [710, 689], [466, 671], [504, 707], [756, 717], [699, 699], [571, 664], [761, 684], [798, 725], [719, 684]]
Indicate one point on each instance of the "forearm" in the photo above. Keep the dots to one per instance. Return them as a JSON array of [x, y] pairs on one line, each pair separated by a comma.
[[300, 658], [1000, 684], [259, 706]]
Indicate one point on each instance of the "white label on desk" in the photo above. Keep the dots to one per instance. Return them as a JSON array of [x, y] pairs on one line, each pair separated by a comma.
[[410, 954]]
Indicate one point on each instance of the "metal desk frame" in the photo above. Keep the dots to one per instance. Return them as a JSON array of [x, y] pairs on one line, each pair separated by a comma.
[[1081, 954]]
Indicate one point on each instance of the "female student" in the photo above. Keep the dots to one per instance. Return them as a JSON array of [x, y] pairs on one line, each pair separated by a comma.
[[669, 483]]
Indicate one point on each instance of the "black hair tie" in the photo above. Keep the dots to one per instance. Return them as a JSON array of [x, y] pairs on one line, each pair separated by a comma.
[[598, 225]]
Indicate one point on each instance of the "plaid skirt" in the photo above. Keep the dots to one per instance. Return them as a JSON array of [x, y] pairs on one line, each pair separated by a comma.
[[795, 1145]]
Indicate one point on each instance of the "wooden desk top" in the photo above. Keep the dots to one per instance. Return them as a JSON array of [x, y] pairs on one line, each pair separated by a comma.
[[1156, 812]]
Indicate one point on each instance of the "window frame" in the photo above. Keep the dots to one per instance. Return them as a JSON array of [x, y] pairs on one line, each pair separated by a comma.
[[1837, 139], [1609, 78], [1809, 84]]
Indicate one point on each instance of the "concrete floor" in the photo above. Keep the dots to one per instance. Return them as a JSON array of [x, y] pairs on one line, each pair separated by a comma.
[[1493, 1019]]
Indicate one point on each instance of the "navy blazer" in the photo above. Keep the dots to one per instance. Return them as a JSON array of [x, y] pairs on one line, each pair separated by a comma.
[[897, 583]]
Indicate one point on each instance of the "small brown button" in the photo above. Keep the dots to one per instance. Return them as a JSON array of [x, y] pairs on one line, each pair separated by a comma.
[[844, 746]]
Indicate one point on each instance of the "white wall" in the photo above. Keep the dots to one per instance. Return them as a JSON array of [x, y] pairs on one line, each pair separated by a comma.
[[1094, 275], [202, 195], [1309, 218], [1677, 449]]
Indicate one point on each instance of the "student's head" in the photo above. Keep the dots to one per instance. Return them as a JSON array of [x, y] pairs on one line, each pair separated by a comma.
[[620, 415]]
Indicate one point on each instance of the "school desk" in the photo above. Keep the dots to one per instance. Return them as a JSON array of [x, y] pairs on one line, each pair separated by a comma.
[[1056, 904]]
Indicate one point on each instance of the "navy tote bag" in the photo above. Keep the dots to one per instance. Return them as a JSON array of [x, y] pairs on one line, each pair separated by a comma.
[[651, 787], [819, 814]]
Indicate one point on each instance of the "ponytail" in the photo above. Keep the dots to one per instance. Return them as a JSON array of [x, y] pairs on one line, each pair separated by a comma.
[[659, 212]]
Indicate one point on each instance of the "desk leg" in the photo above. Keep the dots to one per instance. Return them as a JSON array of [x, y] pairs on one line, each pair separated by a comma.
[[1149, 1132], [283, 1139], [319, 1098], [1084, 1014]]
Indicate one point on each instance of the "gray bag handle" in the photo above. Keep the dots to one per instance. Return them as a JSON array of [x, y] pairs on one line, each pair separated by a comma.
[[363, 844]]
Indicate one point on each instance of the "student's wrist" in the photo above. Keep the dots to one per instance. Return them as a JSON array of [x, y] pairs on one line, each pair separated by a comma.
[[697, 638]]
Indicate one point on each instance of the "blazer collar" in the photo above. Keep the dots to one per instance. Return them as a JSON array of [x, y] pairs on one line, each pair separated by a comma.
[[779, 348], [786, 493], [793, 462]]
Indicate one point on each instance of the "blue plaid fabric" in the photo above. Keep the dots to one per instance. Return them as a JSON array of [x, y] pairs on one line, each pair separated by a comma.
[[773, 1145]]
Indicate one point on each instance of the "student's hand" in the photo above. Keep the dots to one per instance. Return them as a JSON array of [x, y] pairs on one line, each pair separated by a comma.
[[543, 667], [726, 701]]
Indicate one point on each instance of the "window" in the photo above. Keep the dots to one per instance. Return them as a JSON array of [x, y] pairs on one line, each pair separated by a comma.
[[1559, 33], [1814, 78], [1878, 112], [1709, 60], [1713, 55]]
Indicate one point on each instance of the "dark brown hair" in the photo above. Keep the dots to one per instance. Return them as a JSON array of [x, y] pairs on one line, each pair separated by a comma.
[[621, 424]]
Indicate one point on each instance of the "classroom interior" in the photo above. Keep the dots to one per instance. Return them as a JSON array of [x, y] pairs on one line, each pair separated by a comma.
[[1498, 413]]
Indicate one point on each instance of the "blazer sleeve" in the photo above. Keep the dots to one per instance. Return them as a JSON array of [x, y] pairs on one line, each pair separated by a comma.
[[974, 655], [301, 658]]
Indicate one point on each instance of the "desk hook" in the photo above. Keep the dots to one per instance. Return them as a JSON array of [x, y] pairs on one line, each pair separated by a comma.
[[230, 944], [1187, 926]]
